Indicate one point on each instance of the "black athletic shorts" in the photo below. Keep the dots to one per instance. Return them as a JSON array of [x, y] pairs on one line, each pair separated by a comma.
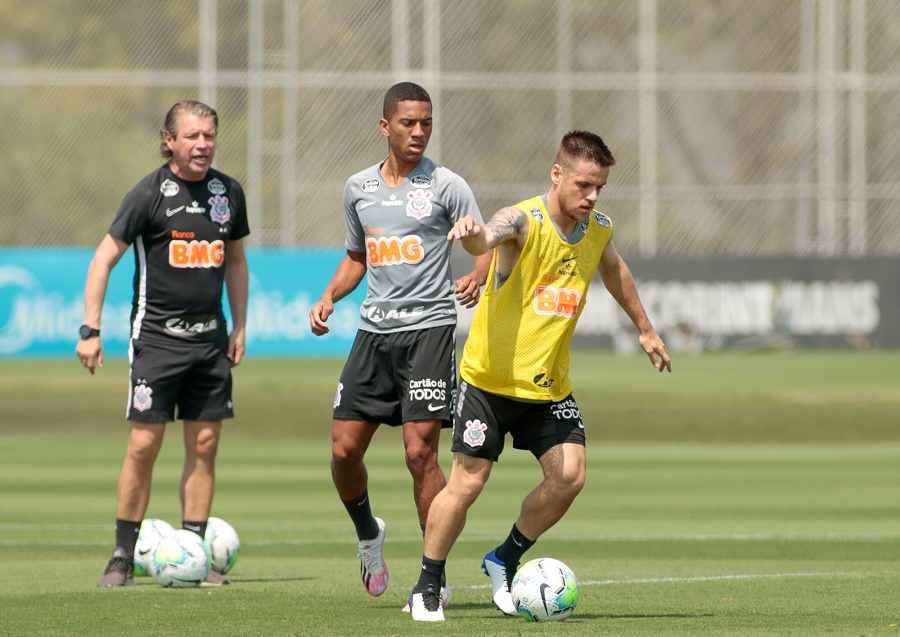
[[194, 377], [398, 377], [482, 420]]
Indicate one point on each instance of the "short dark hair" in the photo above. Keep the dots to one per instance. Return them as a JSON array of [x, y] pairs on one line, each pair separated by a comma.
[[580, 144], [403, 92], [171, 123]]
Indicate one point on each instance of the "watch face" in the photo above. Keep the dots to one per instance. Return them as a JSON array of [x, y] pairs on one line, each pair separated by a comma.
[[86, 331]]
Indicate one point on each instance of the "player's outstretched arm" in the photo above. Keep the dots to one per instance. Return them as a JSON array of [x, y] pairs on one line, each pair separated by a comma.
[[619, 281], [507, 224], [349, 273]]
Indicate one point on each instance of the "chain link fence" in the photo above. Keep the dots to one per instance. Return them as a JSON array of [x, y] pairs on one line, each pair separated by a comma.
[[741, 129]]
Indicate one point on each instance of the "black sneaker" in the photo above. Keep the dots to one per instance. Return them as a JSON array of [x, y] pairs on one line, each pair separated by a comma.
[[119, 571]]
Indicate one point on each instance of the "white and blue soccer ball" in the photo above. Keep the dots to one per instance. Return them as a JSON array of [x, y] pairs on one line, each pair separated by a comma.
[[223, 544], [152, 531], [545, 590], [180, 560]]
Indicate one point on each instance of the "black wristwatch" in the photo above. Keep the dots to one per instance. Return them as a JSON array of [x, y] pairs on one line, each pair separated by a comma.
[[86, 331]]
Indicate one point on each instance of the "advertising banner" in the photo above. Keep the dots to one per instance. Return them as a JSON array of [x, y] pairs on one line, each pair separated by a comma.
[[695, 304], [702, 304], [42, 303]]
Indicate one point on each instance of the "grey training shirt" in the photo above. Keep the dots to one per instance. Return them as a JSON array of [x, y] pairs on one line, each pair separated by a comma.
[[403, 233]]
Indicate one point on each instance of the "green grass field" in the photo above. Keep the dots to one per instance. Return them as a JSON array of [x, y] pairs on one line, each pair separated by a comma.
[[744, 494]]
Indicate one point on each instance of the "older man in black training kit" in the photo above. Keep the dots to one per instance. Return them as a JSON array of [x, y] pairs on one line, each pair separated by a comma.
[[186, 221]]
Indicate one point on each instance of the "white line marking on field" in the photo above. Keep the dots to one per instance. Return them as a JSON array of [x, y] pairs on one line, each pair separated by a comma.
[[710, 578], [478, 536]]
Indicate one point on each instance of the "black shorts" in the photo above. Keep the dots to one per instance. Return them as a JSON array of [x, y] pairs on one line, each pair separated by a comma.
[[194, 377], [482, 420], [398, 377]]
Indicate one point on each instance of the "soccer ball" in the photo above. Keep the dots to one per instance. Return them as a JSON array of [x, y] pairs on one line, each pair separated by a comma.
[[152, 530], [180, 560], [545, 590], [223, 544]]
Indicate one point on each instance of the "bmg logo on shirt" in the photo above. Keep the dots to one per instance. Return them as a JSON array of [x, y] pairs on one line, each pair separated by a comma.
[[196, 254], [394, 250], [549, 300]]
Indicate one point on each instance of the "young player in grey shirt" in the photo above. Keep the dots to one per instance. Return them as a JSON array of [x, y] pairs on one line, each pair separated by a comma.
[[401, 369]]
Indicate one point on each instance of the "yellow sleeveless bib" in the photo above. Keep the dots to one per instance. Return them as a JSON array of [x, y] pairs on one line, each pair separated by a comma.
[[518, 345]]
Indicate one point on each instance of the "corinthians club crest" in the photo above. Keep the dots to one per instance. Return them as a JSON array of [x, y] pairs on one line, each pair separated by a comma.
[[219, 211], [419, 205]]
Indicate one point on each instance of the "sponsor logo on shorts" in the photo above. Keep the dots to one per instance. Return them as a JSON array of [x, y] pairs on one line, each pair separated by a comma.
[[429, 389], [337, 395], [142, 400], [434, 407], [567, 410], [474, 433]]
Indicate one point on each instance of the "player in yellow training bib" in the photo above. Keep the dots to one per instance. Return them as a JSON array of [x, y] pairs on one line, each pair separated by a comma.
[[515, 366]]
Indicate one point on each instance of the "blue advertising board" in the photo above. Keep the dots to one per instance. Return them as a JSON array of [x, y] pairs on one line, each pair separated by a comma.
[[717, 304], [42, 303]]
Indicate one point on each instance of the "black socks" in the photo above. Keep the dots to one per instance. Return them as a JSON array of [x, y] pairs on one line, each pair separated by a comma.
[[361, 513], [127, 535]]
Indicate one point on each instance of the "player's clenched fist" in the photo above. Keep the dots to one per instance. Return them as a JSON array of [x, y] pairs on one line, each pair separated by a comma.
[[465, 228]]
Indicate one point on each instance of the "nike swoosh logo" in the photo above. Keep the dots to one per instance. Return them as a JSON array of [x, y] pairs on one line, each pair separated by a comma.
[[435, 407], [192, 527], [366, 205], [544, 599], [569, 259], [144, 551], [170, 212]]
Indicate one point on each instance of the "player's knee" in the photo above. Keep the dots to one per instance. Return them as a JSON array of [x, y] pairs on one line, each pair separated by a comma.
[[420, 459], [143, 455], [207, 445], [569, 483], [345, 452], [143, 450], [465, 485]]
